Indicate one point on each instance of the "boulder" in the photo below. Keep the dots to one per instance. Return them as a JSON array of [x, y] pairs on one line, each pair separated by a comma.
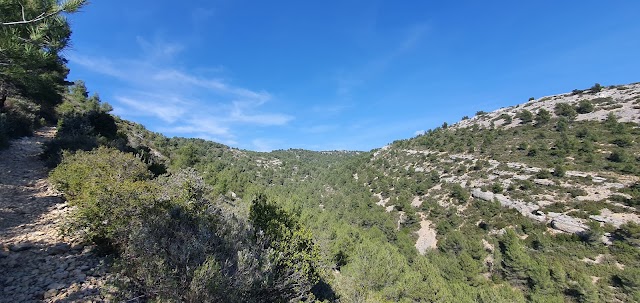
[[21, 246], [528, 210], [487, 196], [58, 248], [568, 224]]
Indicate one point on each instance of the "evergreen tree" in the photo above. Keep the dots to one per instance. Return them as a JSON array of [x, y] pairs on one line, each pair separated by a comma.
[[542, 117], [32, 35]]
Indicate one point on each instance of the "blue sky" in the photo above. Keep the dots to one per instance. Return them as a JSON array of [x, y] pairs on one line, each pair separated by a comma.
[[332, 75]]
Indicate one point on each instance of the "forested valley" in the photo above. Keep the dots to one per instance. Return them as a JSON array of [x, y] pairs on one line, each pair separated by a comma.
[[533, 203]]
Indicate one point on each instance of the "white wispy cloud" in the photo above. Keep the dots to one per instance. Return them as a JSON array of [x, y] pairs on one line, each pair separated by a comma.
[[167, 111], [184, 102], [97, 64], [201, 125], [159, 49], [240, 114], [264, 145], [216, 85]]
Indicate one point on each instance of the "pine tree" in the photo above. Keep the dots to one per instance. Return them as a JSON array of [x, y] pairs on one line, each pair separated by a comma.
[[32, 35]]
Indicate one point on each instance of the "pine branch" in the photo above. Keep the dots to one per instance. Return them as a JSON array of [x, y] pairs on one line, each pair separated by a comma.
[[34, 20], [69, 6]]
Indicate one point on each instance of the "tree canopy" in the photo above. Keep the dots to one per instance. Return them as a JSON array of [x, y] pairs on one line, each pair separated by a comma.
[[32, 36]]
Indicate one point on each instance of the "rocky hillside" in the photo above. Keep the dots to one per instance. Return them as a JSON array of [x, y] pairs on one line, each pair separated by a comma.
[[621, 100], [523, 163]]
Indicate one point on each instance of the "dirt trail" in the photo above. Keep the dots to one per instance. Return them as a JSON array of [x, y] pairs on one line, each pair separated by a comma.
[[36, 263]]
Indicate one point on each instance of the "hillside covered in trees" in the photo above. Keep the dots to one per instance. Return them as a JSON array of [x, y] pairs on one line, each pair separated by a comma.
[[538, 202]]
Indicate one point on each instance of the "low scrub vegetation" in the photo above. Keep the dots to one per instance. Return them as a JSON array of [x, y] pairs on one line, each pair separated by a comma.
[[173, 240]]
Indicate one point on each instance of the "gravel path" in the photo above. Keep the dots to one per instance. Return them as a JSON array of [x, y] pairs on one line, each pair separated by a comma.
[[37, 264]]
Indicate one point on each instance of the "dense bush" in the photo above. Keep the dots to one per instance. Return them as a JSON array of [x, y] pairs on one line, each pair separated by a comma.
[[562, 125], [497, 188], [84, 123], [619, 156], [634, 192], [565, 110], [17, 119], [175, 243], [525, 116], [584, 107], [459, 193], [543, 174], [596, 88], [107, 188], [291, 253], [559, 171], [507, 118], [543, 117], [623, 141]]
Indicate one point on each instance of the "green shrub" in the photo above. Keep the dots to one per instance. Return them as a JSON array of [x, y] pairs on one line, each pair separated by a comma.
[[459, 193], [525, 116], [559, 171], [19, 118], [295, 255], [507, 118], [576, 192], [84, 123], [596, 88], [543, 117], [623, 141], [629, 232], [619, 156], [630, 281], [612, 124], [497, 188], [107, 189], [516, 261], [565, 110], [583, 132], [543, 174], [562, 125], [557, 207], [594, 234], [584, 107], [634, 191]]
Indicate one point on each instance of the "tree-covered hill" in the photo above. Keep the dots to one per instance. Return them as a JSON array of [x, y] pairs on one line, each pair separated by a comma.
[[483, 210], [536, 202], [544, 210]]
